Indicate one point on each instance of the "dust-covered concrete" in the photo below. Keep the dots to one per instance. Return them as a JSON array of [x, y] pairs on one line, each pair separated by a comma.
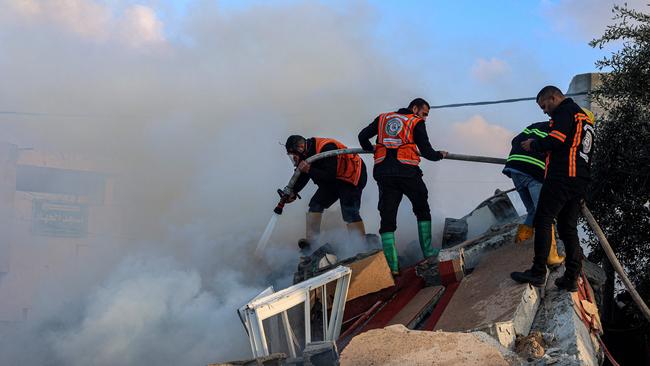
[[397, 345]]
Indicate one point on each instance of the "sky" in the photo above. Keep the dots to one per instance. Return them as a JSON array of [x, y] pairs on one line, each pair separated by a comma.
[[190, 100]]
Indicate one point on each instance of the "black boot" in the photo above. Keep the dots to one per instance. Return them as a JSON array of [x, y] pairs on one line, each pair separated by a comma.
[[537, 279], [304, 244], [567, 284]]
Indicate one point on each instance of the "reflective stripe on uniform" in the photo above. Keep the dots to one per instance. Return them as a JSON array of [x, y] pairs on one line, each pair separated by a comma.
[[577, 139], [535, 131], [409, 161], [558, 135], [527, 159]]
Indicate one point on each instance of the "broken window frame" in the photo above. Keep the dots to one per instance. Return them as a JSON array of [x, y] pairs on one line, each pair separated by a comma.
[[269, 303]]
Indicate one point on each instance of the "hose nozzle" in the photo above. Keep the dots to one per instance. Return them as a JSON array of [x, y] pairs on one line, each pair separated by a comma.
[[283, 199]]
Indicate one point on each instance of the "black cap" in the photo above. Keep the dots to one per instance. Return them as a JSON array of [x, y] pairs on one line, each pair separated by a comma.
[[292, 143]]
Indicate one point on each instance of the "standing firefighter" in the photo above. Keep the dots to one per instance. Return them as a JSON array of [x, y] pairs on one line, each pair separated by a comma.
[[401, 140], [340, 177], [526, 169], [569, 145]]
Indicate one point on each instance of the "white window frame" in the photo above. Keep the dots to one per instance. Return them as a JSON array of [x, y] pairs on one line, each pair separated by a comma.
[[269, 303]]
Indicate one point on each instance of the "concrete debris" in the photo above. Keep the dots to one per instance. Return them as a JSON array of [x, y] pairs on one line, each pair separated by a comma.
[[370, 271], [571, 342], [454, 232], [321, 354], [311, 265], [496, 237], [488, 300], [419, 307], [397, 345], [451, 266], [274, 359], [495, 210], [530, 346], [315, 354], [428, 272]]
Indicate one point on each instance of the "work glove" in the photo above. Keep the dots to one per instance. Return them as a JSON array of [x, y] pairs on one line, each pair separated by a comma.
[[304, 166], [292, 197]]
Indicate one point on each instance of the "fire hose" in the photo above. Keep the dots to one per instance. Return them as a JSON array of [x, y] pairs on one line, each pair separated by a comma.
[[287, 192]]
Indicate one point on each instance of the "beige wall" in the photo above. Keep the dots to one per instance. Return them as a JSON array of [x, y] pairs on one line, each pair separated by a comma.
[[586, 83], [35, 264]]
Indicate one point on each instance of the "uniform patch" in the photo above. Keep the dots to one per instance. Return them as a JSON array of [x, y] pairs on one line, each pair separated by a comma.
[[588, 139], [393, 127]]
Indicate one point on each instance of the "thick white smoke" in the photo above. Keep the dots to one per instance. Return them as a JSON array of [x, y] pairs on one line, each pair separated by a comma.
[[191, 113]]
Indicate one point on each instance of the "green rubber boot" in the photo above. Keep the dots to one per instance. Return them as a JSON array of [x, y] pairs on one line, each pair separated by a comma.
[[388, 242], [424, 233]]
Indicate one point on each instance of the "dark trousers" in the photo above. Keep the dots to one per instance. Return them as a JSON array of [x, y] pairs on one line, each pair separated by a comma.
[[391, 190], [348, 194], [561, 200]]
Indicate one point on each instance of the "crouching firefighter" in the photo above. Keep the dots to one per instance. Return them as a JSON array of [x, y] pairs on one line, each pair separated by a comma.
[[340, 177], [526, 169], [401, 140]]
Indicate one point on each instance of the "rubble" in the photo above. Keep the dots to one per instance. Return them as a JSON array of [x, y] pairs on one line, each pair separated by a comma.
[[370, 271], [497, 209], [419, 307], [488, 300], [397, 345], [530, 346], [479, 314], [572, 342], [274, 359]]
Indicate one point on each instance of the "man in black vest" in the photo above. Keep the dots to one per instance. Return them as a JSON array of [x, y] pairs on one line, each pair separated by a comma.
[[569, 145], [526, 169]]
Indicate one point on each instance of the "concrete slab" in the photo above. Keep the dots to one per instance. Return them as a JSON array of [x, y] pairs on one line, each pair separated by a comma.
[[418, 307], [474, 249], [572, 344], [489, 300], [497, 237], [397, 345]]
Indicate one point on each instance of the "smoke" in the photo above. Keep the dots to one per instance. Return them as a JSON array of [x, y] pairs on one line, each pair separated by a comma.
[[188, 110], [581, 20]]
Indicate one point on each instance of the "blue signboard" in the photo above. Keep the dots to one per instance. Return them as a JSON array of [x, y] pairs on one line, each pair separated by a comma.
[[62, 219]]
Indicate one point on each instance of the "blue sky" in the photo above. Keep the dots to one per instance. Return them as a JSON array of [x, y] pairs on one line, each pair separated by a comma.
[[470, 50], [182, 69]]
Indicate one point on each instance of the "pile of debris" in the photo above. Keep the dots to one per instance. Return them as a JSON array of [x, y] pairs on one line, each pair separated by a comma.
[[464, 310], [398, 345]]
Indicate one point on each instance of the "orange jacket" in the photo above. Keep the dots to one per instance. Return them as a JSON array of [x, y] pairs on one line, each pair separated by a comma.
[[348, 166], [396, 132]]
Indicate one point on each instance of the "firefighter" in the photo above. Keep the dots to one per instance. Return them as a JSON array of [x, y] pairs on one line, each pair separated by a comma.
[[526, 169], [569, 147], [341, 177], [401, 140]]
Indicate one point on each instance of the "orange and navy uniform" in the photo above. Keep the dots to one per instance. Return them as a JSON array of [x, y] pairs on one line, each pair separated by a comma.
[[395, 131], [401, 140], [339, 178], [569, 144], [348, 166]]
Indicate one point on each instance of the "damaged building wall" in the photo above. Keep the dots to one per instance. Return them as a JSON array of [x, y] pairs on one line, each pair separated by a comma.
[[8, 156], [59, 212]]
